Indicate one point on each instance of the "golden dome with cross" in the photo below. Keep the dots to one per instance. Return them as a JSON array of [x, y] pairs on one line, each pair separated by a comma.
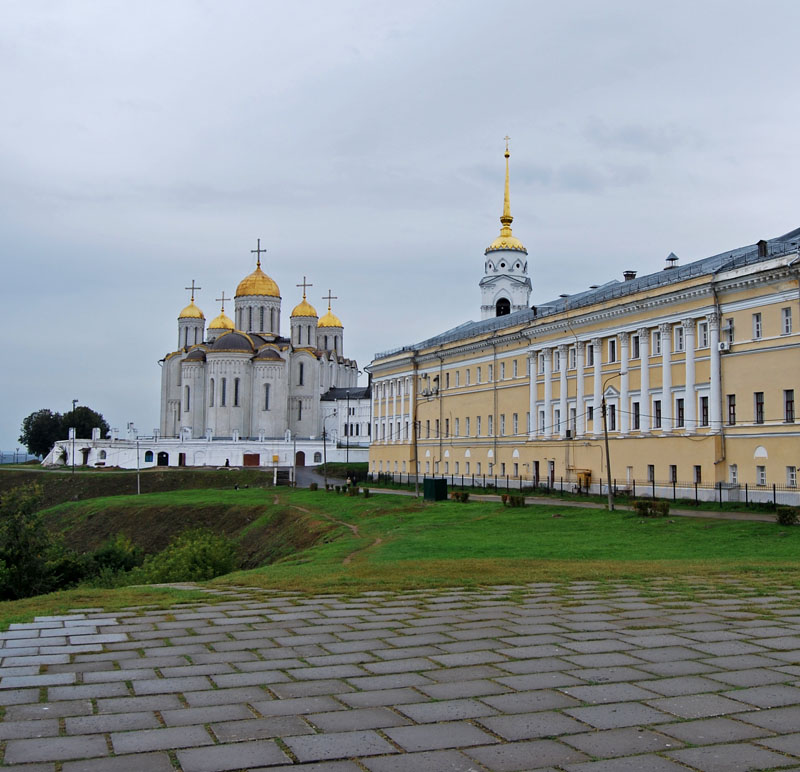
[[258, 283]]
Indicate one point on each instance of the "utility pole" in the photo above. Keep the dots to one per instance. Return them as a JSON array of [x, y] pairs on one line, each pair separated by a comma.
[[74, 432], [608, 458]]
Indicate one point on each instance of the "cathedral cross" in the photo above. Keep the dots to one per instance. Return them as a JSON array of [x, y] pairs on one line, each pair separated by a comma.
[[257, 252], [329, 297], [507, 139], [304, 285], [222, 300], [193, 289]]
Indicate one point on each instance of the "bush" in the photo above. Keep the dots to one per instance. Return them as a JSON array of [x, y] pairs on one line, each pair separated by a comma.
[[651, 508], [353, 490], [193, 556], [787, 515], [516, 500], [366, 493], [313, 486], [462, 496], [337, 488]]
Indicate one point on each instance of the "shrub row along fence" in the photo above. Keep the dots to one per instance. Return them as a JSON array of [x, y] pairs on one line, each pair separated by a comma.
[[722, 493]]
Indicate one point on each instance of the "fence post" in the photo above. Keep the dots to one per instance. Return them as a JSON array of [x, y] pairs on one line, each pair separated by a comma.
[[634, 488], [506, 483], [719, 489], [747, 494], [696, 501], [673, 490], [774, 495], [654, 488]]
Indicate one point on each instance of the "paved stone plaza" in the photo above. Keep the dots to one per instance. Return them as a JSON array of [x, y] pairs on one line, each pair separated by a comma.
[[572, 677]]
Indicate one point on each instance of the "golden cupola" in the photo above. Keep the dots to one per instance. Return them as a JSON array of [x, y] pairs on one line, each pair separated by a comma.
[[330, 319], [304, 308], [223, 321], [506, 239], [191, 312], [257, 283]]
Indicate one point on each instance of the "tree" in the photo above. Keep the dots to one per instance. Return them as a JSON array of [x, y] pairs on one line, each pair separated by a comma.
[[84, 419], [41, 430]]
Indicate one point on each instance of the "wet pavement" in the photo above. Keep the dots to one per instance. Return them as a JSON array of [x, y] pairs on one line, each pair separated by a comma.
[[579, 676]]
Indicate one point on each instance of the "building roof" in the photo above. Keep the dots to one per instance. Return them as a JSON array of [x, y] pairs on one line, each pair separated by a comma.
[[356, 392], [612, 290]]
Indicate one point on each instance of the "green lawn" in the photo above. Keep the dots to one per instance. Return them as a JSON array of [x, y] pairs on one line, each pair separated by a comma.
[[402, 542]]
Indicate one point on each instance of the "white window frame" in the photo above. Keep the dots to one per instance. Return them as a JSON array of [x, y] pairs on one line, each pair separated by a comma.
[[679, 339], [786, 321], [757, 327], [655, 349], [761, 475], [702, 335], [612, 349], [791, 476], [635, 347]]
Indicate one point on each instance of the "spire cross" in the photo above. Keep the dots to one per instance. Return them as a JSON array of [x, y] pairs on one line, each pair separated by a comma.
[[507, 139], [304, 285], [257, 252], [222, 300], [193, 289], [329, 297]]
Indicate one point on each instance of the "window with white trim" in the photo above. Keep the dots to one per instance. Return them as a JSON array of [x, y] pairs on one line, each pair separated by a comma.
[[761, 475], [756, 326], [791, 476], [656, 347], [702, 335], [786, 321], [679, 340]]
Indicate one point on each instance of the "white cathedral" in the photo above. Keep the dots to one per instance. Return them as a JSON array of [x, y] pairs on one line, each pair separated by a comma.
[[238, 393]]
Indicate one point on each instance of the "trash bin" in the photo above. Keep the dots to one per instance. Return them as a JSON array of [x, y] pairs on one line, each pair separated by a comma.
[[434, 489]]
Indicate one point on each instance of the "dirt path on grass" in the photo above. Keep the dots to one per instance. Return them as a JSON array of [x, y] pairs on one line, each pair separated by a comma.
[[353, 529]]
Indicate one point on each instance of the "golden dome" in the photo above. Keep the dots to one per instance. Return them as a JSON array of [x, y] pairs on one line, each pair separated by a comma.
[[191, 312], [329, 320], [304, 308], [257, 283], [222, 322], [506, 240]]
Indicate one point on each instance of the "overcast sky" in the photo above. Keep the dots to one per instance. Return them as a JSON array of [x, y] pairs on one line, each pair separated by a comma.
[[145, 144]]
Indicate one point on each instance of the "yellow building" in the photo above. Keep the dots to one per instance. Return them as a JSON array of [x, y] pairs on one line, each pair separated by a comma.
[[697, 364]]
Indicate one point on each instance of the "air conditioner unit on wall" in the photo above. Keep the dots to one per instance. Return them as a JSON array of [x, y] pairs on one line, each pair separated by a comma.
[[723, 345]]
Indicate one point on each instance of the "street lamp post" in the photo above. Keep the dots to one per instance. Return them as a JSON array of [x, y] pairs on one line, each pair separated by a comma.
[[325, 448], [74, 432], [605, 435], [347, 429]]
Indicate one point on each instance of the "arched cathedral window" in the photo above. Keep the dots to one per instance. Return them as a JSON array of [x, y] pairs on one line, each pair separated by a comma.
[[266, 396], [211, 393], [236, 392], [187, 403], [503, 307], [223, 392], [261, 327]]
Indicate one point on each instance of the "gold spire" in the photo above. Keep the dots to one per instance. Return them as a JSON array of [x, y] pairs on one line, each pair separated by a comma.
[[506, 239]]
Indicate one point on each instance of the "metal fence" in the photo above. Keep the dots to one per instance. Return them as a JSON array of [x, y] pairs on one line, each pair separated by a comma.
[[675, 490], [16, 457]]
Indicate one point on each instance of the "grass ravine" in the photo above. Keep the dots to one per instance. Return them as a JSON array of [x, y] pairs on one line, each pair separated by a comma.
[[316, 541]]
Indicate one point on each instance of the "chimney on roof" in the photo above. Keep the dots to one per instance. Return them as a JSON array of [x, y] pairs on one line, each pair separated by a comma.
[[672, 259], [629, 275], [762, 248]]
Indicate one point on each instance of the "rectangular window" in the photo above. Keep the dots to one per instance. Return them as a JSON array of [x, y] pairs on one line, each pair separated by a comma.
[[437, 429], [572, 360], [758, 407], [788, 406], [457, 427], [590, 413], [541, 363], [556, 361], [447, 467], [573, 420], [447, 380], [651, 473], [187, 402], [698, 473], [635, 347], [490, 425], [557, 421], [612, 350], [703, 411], [590, 355], [466, 427], [612, 418], [502, 371], [502, 424], [467, 376], [466, 467], [236, 392], [515, 423], [657, 413], [679, 344], [541, 421], [673, 473], [266, 396], [515, 368], [516, 469], [756, 326], [300, 370], [731, 409], [223, 392], [477, 467], [679, 412], [477, 426], [299, 409], [457, 467], [637, 418], [761, 475], [478, 376], [446, 427], [491, 374], [791, 476], [786, 321], [656, 348], [733, 474], [729, 330], [458, 377], [528, 422], [702, 335], [427, 429]]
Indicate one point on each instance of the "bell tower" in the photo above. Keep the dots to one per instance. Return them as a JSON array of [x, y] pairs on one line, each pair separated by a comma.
[[505, 286]]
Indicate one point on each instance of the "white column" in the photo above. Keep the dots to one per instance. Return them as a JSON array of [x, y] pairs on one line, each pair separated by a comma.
[[580, 421], [715, 398], [644, 391], [376, 410], [563, 353], [666, 376], [624, 405], [690, 399], [532, 371], [598, 386], [395, 438], [548, 392]]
